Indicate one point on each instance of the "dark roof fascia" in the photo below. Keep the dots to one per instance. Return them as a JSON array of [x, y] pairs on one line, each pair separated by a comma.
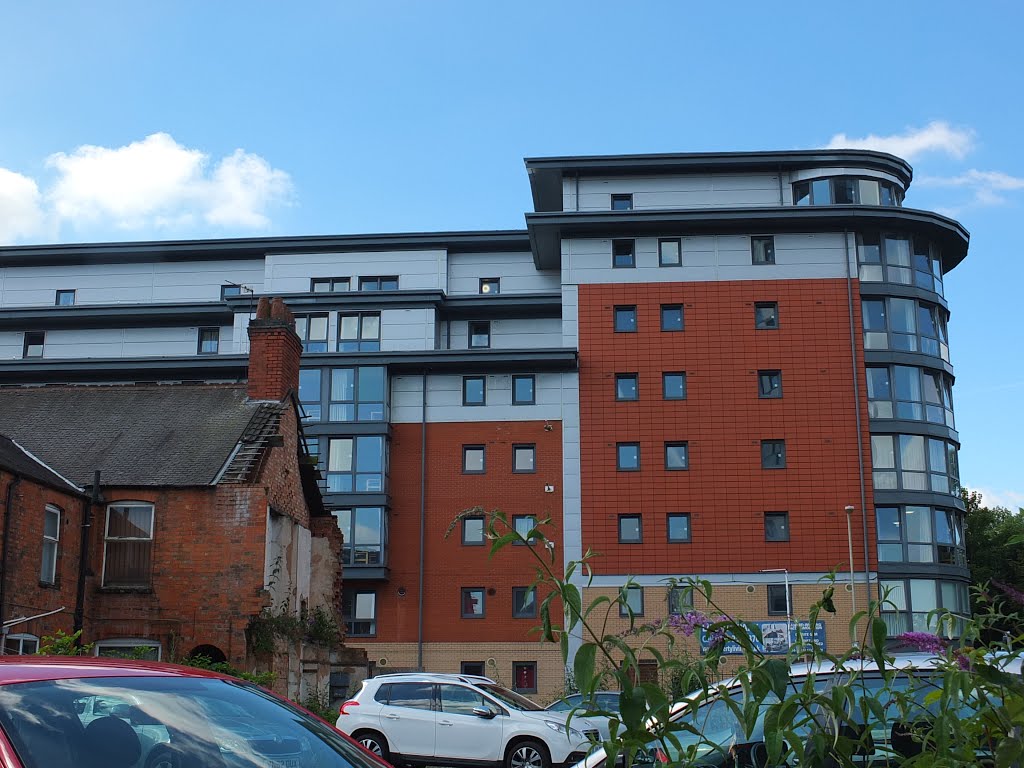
[[128, 370], [313, 302], [546, 173], [548, 229], [256, 248], [116, 316], [457, 361], [503, 306]]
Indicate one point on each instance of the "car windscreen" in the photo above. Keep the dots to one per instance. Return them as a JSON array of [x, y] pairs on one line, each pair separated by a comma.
[[172, 720], [510, 698]]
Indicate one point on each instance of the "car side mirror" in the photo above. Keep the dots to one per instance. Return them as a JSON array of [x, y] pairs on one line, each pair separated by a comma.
[[485, 712]]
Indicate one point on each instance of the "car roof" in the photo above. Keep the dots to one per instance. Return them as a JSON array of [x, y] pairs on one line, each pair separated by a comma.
[[24, 669], [432, 677]]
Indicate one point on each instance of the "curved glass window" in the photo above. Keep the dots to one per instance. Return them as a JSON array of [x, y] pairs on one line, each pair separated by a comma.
[[907, 603], [914, 463], [905, 325], [899, 259], [913, 534], [847, 190], [908, 392]]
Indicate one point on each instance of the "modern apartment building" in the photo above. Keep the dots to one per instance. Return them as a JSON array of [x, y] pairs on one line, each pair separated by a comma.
[[732, 366]]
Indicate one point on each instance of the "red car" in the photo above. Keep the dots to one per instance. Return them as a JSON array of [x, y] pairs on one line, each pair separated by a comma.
[[79, 712]]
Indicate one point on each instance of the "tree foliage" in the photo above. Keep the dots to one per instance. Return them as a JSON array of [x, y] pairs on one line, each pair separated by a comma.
[[995, 542]]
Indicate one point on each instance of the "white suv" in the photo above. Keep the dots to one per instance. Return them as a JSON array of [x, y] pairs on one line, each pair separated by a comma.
[[429, 719]]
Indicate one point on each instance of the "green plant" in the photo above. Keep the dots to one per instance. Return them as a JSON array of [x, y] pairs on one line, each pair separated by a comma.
[[266, 679], [318, 701], [318, 625], [322, 627], [61, 644]]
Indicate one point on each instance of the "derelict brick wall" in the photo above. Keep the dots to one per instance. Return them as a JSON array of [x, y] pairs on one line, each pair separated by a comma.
[[725, 490]]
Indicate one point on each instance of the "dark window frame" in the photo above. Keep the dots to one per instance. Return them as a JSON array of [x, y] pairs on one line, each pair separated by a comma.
[[470, 335], [483, 400], [679, 252], [350, 557], [515, 526], [784, 517], [468, 542], [759, 324], [31, 340], [522, 593], [532, 378], [619, 466], [768, 249], [623, 377], [349, 619], [470, 667], [304, 321], [688, 539], [489, 286], [772, 446], [685, 445], [366, 283], [619, 250], [636, 589], [629, 517], [368, 344], [333, 284], [664, 384], [624, 308], [227, 291], [776, 587], [466, 449], [620, 197], [528, 665], [672, 308], [200, 340], [776, 392], [60, 292], [680, 600], [532, 448], [463, 593]]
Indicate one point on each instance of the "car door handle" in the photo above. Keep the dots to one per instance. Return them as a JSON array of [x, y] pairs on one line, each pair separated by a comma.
[[449, 723], [393, 717]]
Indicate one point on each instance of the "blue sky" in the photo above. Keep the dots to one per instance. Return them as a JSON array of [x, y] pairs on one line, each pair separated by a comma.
[[123, 121]]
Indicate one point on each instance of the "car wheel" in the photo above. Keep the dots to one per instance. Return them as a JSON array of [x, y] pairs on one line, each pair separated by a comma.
[[372, 742], [163, 757], [528, 754]]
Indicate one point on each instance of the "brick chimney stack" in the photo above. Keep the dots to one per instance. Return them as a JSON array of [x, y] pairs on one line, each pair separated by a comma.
[[274, 351]]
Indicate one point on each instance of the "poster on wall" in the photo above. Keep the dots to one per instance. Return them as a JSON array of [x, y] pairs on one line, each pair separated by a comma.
[[776, 638]]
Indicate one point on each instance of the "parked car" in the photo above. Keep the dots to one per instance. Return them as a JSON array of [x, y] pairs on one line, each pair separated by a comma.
[[607, 701], [77, 712], [430, 719]]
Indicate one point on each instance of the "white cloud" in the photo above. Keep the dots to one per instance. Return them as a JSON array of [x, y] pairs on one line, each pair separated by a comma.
[[986, 186], [1012, 500], [21, 214], [937, 136]]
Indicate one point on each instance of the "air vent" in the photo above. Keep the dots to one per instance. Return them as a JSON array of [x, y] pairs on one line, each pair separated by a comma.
[[750, 588], [491, 662], [382, 661]]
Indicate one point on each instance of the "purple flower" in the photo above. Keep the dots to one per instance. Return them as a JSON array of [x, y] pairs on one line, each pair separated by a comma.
[[688, 622], [962, 660], [1014, 594], [923, 641]]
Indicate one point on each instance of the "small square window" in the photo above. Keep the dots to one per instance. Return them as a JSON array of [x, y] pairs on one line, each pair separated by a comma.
[[769, 384], [473, 602], [673, 385], [679, 527], [329, 284], [625, 319], [631, 601], [524, 602], [378, 283], [670, 253], [33, 345], [623, 253], [766, 316], [474, 459], [472, 531], [671, 317], [524, 389], [209, 341], [230, 290], [474, 390], [65, 298], [480, 334], [524, 458], [524, 676], [627, 457], [622, 202], [472, 668], [523, 524], [773, 454], [779, 601], [490, 285], [677, 456], [762, 250], [627, 386], [630, 529], [680, 600], [776, 526]]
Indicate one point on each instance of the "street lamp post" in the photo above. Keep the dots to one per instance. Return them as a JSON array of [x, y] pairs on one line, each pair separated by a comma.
[[849, 541]]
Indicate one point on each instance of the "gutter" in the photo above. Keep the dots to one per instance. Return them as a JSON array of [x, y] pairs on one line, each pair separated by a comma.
[[8, 504], [423, 521], [83, 558]]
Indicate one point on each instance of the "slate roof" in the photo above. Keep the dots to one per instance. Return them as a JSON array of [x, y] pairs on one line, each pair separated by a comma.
[[151, 435], [14, 458]]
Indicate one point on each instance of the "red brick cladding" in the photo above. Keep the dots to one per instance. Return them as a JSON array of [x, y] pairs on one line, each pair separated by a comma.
[[24, 594], [725, 490], [449, 565]]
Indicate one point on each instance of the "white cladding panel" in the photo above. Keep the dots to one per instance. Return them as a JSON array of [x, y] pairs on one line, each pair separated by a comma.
[[179, 281], [513, 333], [416, 270], [708, 257], [683, 191], [407, 329], [517, 273], [11, 344], [444, 399]]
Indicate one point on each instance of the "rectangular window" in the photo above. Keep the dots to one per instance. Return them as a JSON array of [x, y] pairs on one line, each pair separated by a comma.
[[623, 253], [209, 341], [625, 319], [631, 601], [365, 535], [671, 317], [524, 602], [128, 545], [230, 290], [769, 384], [490, 285], [766, 316], [762, 250], [312, 330], [670, 252], [673, 385], [33, 346], [524, 458], [622, 202], [523, 524], [474, 390], [627, 386], [679, 527], [65, 298], [680, 600], [358, 394], [773, 454], [524, 676], [309, 394], [776, 526], [473, 602], [524, 389], [358, 332], [779, 602], [472, 668], [630, 529], [627, 457], [51, 539], [329, 284], [21, 644], [474, 459], [472, 531], [355, 464], [480, 334], [677, 456], [359, 612], [378, 283]]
